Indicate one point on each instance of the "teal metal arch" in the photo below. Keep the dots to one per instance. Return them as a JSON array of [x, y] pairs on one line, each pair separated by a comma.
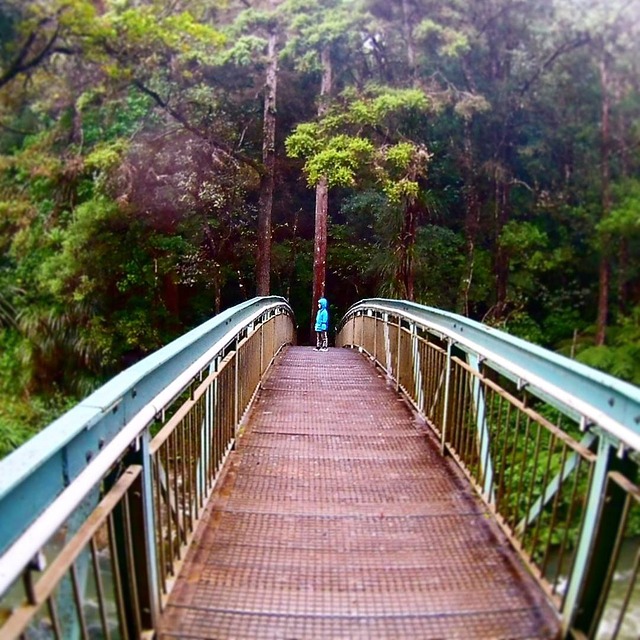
[[460, 375], [97, 431], [593, 397]]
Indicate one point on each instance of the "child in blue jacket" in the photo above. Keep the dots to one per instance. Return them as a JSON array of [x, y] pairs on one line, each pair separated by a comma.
[[322, 325]]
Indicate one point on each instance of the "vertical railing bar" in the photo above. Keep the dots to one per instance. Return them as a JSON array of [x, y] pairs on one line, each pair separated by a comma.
[[190, 498], [568, 520], [218, 425], [487, 466], [545, 481], [100, 590], [55, 620], [574, 558], [463, 417], [178, 488], [169, 445], [482, 425], [192, 469], [235, 387], [159, 511], [187, 466], [398, 339], [512, 470], [554, 511], [470, 431], [613, 561], [629, 592], [520, 488], [502, 484], [117, 579], [213, 423], [201, 444], [130, 559], [205, 445], [455, 439], [77, 598], [533, 480], [181, 481]]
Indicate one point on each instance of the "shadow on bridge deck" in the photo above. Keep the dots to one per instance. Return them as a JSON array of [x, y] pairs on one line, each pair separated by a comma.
[[338, 518]]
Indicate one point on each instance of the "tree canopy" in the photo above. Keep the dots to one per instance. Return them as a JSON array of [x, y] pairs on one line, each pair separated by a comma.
[[158, 162]]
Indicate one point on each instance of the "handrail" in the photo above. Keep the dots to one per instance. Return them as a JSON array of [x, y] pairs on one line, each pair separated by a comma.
[[592, 397], [543, 439], [42, 482]]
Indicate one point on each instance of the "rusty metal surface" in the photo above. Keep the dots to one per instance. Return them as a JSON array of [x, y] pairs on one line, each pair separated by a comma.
[[338, 518]]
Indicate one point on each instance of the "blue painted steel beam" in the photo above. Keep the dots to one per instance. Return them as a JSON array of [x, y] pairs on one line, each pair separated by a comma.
[[35, 474], [590, 396]]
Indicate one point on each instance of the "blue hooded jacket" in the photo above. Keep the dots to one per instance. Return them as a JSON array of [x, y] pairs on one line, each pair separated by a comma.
[[322, 317]]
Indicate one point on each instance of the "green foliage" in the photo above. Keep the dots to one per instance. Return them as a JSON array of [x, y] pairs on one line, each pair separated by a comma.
[[130, 169], [245, 50], [439, 264], [339, 161], [345, 145], [20, 419], [624, 218], [620, 357], [450, 42]]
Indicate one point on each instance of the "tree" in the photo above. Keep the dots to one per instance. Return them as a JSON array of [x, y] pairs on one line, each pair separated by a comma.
[[319, 28], [359, 140]]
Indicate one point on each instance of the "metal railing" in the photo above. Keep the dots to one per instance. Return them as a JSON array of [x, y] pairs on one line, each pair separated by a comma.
[[551, 446], [99, 508]]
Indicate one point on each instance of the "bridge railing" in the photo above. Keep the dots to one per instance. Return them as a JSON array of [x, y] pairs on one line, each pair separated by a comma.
[[99, 508], [550, 445]]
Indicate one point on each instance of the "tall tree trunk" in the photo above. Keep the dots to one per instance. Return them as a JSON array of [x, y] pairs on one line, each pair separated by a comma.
[[407, 251], [624, 264], [267, 180], [322, 200], [604, 279], [501, 263], [472, 216], [408, 35]]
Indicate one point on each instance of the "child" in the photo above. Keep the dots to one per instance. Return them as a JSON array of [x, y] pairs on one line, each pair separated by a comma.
[[322, 325]]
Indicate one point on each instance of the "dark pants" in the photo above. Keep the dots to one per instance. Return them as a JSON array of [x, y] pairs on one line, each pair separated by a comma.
[[321, 340]]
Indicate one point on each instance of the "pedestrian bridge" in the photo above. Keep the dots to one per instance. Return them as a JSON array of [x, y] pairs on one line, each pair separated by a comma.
[[434, 478]]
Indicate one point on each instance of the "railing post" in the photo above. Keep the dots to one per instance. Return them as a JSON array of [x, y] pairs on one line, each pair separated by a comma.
[[387, 346], [353, 330], [417, 369], [480, 406], [134, 528], [151, 582], [447, 387], [597, 539], [398, 369], [375, 336], [236, 398], [262, 348]]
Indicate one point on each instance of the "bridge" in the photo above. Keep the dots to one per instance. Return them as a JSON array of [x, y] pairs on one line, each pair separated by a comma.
[[429, 477]]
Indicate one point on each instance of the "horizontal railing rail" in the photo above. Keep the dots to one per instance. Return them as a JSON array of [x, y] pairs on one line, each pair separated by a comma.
[[552, 446], [96, 553]]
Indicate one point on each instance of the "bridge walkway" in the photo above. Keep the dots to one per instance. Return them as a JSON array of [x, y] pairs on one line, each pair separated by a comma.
[[338, 518]]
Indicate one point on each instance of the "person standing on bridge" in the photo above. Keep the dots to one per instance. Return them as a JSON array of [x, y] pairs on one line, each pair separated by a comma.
[[322, 325]]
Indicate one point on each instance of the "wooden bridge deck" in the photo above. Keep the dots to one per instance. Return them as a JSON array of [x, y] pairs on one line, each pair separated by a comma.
[[338, 518]]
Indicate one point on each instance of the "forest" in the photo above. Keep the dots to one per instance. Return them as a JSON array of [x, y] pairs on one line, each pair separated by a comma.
[[162, 160]]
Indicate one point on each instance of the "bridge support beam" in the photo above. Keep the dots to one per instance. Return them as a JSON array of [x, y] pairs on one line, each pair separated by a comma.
[[582, 606], [136, 556], [480, 408], [417, 369]]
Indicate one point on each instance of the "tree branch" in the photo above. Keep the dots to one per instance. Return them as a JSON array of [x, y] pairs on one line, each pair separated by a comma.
[[178, 117], [19, 65], [564, 48]]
